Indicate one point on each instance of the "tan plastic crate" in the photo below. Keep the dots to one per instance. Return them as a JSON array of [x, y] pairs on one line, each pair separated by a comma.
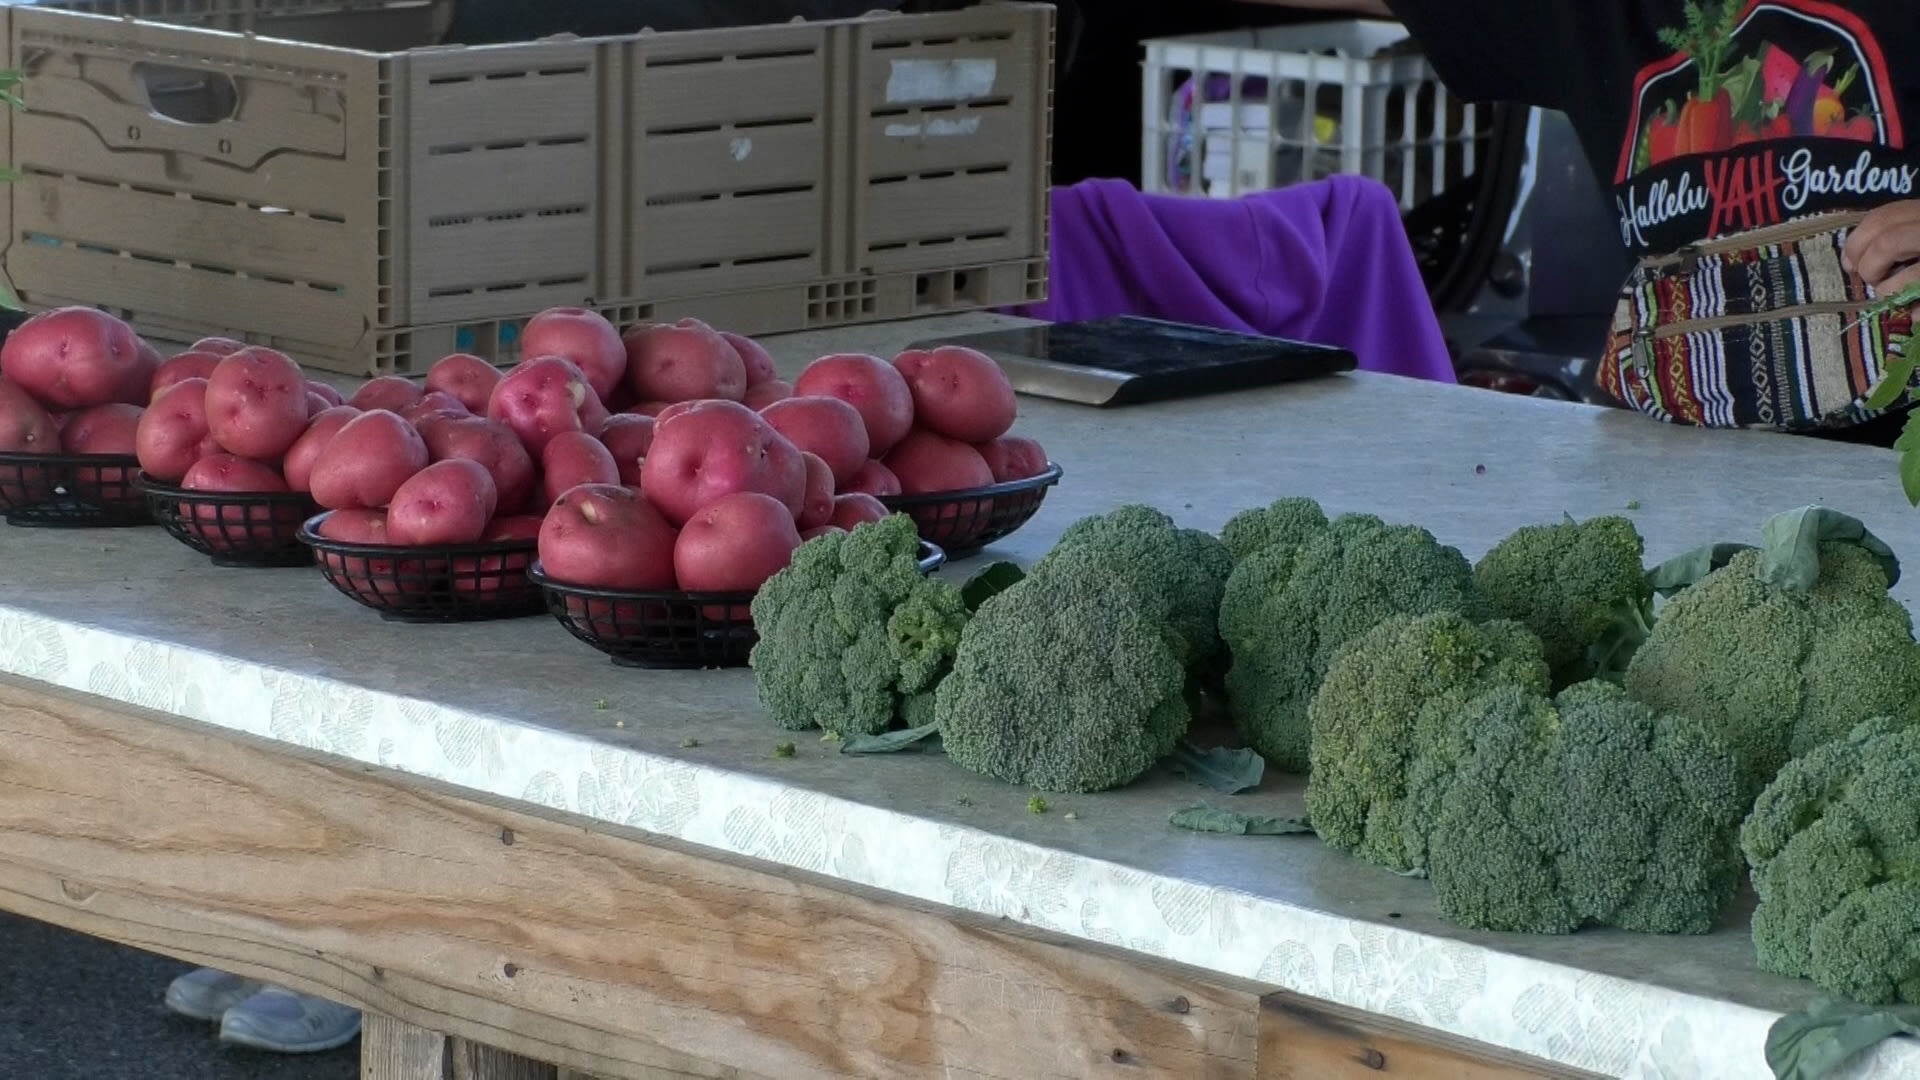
[[370, 207]]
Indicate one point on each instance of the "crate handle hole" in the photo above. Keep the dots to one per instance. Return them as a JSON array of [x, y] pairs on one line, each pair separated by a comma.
[[187, 96]]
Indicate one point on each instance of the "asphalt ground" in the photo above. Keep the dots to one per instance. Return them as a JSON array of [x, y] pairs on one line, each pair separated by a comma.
[[76, 1008]]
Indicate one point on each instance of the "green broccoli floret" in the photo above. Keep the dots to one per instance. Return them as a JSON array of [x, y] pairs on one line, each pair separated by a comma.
[[1064, 683], [1777, 668], [1287, 609], [1389, 727], [1581, 586], [1587, 809], [1179, 573], [1288, 522], [851, 631], [1834, 843]]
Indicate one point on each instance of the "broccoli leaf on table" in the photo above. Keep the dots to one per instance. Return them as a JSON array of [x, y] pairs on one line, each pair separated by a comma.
[[893, 741], [1685, 571], [1207, 819], [989, 583], [1812, 1043], [1229, 772]]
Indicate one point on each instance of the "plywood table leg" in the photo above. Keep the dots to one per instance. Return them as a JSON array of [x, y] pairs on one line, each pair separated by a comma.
[[392, 1050]]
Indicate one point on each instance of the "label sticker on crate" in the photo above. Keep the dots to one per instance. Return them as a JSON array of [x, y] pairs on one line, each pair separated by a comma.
[[920, 82]]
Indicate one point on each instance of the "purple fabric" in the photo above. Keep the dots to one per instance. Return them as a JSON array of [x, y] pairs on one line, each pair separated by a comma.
[[1326, 262]]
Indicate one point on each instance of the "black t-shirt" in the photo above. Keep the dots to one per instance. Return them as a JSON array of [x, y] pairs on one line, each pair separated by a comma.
[[1702, 120]]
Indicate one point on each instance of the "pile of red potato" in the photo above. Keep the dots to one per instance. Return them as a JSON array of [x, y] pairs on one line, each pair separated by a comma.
[[670, 457]]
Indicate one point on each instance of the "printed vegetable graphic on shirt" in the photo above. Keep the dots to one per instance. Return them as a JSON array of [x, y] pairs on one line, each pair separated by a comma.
[[1706, 120]]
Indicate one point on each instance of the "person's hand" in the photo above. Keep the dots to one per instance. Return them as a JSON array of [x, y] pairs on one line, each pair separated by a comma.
[[1885, 248]]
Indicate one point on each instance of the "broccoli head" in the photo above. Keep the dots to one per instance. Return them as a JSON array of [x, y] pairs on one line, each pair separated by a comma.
[[1834, 843], [851, 631], [1580, 585], [1288, 608], [1288, 523], [1064, 683], [1389, 727], [1783, 649], [1177, 573], [1586, 809]]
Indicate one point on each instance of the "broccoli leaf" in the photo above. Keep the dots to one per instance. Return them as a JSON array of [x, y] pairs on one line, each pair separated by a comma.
[[1229, 772], [989, 583], [1790, 546], [888, 742], [1207, 819], [1908, 447], [1811, 1043], [1684, 571]]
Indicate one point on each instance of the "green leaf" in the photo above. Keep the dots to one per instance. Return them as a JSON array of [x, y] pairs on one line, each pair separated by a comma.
[[1744, 86], [1229, 772], [1893, 383], [1790, 546], [889, 742], [1909, 439], [989, 583], [1909, 472], [1812, 1043], [1207, 819], [1684, 571]]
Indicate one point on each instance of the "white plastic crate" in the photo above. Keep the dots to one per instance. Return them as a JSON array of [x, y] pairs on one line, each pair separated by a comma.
[[1226, 114]]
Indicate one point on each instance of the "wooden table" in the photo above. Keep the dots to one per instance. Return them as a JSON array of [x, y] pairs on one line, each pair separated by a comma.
[[525, 862]]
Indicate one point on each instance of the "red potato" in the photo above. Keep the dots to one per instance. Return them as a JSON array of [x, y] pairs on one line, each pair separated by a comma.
[[103, 429], [735, 544], [494, 446], [574, 458], [628, 438], [676, 409], [218, 346], [856, 509], [304, 454], [869, 384], [436, 403], [466, 377], [192, 364], [873, 479], [448, 502], [543, 397], [367, 461], [683, 361], [582, 336], [224, 527], [753, 357], [1012, 458], [173, 431], [316, 404], [816, 507], [137, 387], [608, 537], [257, 404], [927, 463], [766, 393], [25, 426], [488, 574], [649, 409], [366, 575], [825, 426], [74, 358], [715, 449], [393, 393], [958, 392], [326, 392]]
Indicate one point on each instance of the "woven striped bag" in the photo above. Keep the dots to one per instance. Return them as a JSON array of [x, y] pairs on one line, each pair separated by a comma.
[[1760, 329]]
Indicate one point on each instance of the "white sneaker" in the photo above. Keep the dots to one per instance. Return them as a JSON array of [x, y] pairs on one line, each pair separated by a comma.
[[207, 993], [283, 1022]]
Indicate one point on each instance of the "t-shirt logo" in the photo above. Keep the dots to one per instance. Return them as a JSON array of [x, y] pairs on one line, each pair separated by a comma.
[[1766, 110]]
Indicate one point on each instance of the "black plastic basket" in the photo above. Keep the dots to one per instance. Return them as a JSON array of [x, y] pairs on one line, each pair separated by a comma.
[[235, 529], [72, 491], [962, 522], [672, 629], [446, 584]]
